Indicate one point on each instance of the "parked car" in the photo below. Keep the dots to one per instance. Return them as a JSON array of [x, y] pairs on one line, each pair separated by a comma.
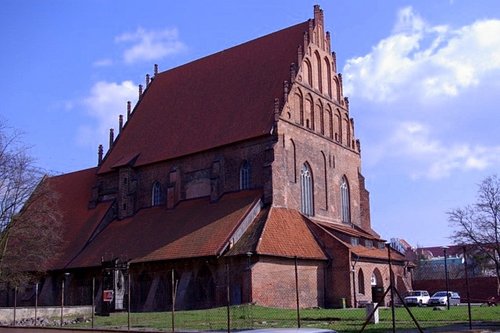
[[440, 298], [417, 297]]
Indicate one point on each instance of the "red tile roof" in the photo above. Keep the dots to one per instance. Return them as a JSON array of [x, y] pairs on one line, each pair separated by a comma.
[[349, 230], [358, 250], [286, 234], [220, 99], [79, 222], [376, 253], [195, 228]]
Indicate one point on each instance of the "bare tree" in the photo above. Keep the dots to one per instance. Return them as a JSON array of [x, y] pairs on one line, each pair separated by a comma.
[[478, 224], [29, 219]]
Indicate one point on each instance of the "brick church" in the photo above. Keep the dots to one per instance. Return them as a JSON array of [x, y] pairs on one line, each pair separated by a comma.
[[247, 159]]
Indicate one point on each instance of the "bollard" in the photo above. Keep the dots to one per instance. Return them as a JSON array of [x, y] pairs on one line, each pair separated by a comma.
[[369, 309]]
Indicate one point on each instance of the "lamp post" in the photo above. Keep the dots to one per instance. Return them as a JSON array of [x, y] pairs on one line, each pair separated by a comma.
[[353, 270], [446, 278]]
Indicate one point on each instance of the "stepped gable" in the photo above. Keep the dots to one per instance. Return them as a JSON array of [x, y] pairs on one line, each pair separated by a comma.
[[78, 221], [195, 228], [223, 98]]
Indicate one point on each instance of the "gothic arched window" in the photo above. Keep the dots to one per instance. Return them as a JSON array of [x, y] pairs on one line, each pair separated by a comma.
[[156, 194], [345, 201], [361, 282], [245, 175], [306, 191]]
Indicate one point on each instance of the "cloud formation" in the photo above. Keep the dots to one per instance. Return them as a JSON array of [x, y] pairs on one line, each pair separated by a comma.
[[433, 159], [147, 45], [427, 92], [106, 100], [428, 61]]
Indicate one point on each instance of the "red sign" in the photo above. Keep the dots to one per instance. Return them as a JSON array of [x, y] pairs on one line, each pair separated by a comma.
[[107, 295]]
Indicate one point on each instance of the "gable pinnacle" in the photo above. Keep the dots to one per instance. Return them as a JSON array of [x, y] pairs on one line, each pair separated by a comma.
[[276, 109], [120, 123], [111, 137], [99, 154], [293, 72], [285, 91], [129, 109]]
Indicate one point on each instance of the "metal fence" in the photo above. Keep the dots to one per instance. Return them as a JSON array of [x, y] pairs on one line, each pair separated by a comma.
[[291, 302]]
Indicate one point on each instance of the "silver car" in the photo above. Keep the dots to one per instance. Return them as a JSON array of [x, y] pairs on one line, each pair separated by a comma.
[[440, 298]]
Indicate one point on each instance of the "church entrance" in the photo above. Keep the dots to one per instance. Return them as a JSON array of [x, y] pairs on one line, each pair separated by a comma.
[[377, 286]]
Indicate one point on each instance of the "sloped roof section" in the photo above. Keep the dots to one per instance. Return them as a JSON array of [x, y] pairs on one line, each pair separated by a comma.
[[195, 228], [79, 222], [220, 99], [358, 250], [348, 230], [375, 253], [286, 234]]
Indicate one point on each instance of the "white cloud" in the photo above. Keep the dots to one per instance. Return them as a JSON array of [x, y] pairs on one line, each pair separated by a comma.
[[424, 61], [433, 159], [102, 62], [145, 45], [105, 102]]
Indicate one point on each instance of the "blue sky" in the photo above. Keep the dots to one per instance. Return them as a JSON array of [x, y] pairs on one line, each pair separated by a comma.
[[422, 77]]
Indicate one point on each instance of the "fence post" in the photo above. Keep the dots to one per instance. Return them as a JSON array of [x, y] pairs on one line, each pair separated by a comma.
[[36, 303], [446, 277], [297, 292], [93, 300], [174, 294], [467, 287], [391, 285], [228, 296], [62, 301], [15, 304], [128, 298]]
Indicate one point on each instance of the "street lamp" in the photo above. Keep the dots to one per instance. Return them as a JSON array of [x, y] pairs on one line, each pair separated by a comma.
[[446, 278]]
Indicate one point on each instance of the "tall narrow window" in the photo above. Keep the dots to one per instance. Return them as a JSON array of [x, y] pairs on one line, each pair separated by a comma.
[[306, 191], [156, 194], [245, 175], [345, 201], [361, 282]]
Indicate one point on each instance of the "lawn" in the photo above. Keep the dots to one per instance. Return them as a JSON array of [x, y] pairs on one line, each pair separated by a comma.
[[251, 316]]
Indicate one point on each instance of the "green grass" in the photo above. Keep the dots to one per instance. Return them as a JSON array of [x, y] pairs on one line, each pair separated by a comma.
[[251, 316]]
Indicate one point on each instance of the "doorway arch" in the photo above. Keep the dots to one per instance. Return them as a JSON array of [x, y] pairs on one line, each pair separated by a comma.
[[377, 285]]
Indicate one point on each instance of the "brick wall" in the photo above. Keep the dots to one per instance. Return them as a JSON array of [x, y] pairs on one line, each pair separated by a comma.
[[187, 177], [480, 288], [273, 283]]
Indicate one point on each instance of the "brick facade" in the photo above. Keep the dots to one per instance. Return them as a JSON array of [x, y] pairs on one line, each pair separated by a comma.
[[274, 283]]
